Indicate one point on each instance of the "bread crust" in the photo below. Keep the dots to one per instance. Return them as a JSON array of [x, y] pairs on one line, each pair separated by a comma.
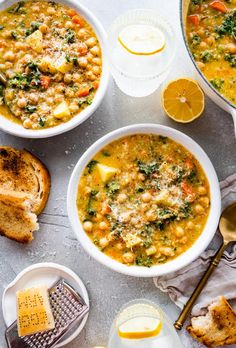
[[22, 171], [217, 327]]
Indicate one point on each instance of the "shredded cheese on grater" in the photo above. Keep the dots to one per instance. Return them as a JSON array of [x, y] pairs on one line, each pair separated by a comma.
[[34, 313]]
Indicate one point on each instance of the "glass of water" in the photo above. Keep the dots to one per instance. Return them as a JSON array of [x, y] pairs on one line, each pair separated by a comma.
[[143, 311], [135, 74]]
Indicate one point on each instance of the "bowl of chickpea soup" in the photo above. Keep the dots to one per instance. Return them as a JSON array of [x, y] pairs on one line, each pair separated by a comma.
[[144, 200], [53, 55], [209, 31]]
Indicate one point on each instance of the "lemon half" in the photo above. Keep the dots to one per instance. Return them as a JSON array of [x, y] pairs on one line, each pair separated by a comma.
[[183, 100], [140, 327], [142, 39]]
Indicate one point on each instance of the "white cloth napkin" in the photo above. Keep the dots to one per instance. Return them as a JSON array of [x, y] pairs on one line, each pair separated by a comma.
[[180, 285]]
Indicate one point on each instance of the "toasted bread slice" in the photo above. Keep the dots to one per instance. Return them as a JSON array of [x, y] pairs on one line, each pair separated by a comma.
[[23, 172], [17, 222], [217, 327]]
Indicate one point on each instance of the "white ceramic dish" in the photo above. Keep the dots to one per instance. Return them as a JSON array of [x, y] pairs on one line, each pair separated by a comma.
[[42, 274], [218, 98], [18, 130], [198, 247]]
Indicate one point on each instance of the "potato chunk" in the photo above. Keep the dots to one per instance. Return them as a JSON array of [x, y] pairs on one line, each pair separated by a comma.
[[62, 110], [47, 65], [63, 65], [35, 41], [106, 172]]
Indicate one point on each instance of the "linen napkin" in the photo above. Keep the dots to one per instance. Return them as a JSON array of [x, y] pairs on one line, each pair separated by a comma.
[[180, 284]]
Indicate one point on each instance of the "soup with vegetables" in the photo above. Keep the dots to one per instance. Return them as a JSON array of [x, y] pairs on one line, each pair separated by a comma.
[[143, 200], [211, 33], [52, 59]]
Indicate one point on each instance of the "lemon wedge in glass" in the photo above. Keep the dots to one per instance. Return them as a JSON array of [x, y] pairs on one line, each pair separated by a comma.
[[142, 39], [140, 327], [183, 100]]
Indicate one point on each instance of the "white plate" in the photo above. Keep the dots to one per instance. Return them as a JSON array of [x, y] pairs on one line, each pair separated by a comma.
[[42, 274]]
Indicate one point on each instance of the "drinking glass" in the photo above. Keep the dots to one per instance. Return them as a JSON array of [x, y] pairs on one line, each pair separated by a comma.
[[140, 75]]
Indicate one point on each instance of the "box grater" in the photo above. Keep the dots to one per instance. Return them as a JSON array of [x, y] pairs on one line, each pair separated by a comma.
[[68, 309]]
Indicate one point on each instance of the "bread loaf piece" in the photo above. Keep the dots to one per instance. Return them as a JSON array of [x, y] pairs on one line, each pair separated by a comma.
[[217, 327], [23, 172], [17, 222]]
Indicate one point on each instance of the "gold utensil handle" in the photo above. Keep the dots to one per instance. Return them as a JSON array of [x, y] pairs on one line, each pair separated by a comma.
[[187, 308]]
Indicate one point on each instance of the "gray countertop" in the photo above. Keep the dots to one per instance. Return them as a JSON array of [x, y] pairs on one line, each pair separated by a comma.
[[55, 241]]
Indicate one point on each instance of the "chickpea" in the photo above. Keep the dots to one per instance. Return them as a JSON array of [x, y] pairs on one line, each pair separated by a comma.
[[76, 77], [91, 41], [88, 226], [190, 225], [150, 215], [183, 240], [203, 45], [8, 65], [58, 89], [34, 117], [82, 33], [69, 25], [103, 225], [33, 97], [99, 217], [179, 231], [199, 209], [67, 78], [90, 57], [151, 250], [201, 190], [69, 93], [44, 28], [125, 217], [210, 40], [20, 46], [205, 201], [58, 98], [128, 257], [22, 102], [231, 47], [97, 61], [51, 10], [146, 197], [166, 251], [95, 50], [83, 62], [90, 76], [121, 198], [74, 108], [103, 242], [9, 55], [27, 123], [96, 70], [9, 95]]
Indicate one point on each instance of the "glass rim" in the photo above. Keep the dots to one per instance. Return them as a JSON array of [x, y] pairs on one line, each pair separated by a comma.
[[157, 16]]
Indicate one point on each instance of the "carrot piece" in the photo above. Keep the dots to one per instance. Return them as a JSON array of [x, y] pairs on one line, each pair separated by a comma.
[[194, 19], [95, 84], [219, 6], [71, 12], [78, 20], [188, 190], [83, 92], [82, 48], [45, 81], [189, 163]]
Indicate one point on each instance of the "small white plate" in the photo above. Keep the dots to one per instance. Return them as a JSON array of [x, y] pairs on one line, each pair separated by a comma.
[[42, 274]]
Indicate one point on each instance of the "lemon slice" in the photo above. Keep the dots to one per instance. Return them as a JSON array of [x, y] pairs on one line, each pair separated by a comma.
[[140, 327], [142, 39], [183, 100]]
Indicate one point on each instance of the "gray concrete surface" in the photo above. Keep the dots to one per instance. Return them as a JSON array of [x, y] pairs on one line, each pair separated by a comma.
[[55, 241]]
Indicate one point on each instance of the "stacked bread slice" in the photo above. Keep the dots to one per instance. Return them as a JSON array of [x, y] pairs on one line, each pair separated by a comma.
[[24, 190]]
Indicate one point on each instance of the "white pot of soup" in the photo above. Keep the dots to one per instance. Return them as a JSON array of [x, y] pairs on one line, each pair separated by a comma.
[[54, 59], [208, 29], [144, 200]]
